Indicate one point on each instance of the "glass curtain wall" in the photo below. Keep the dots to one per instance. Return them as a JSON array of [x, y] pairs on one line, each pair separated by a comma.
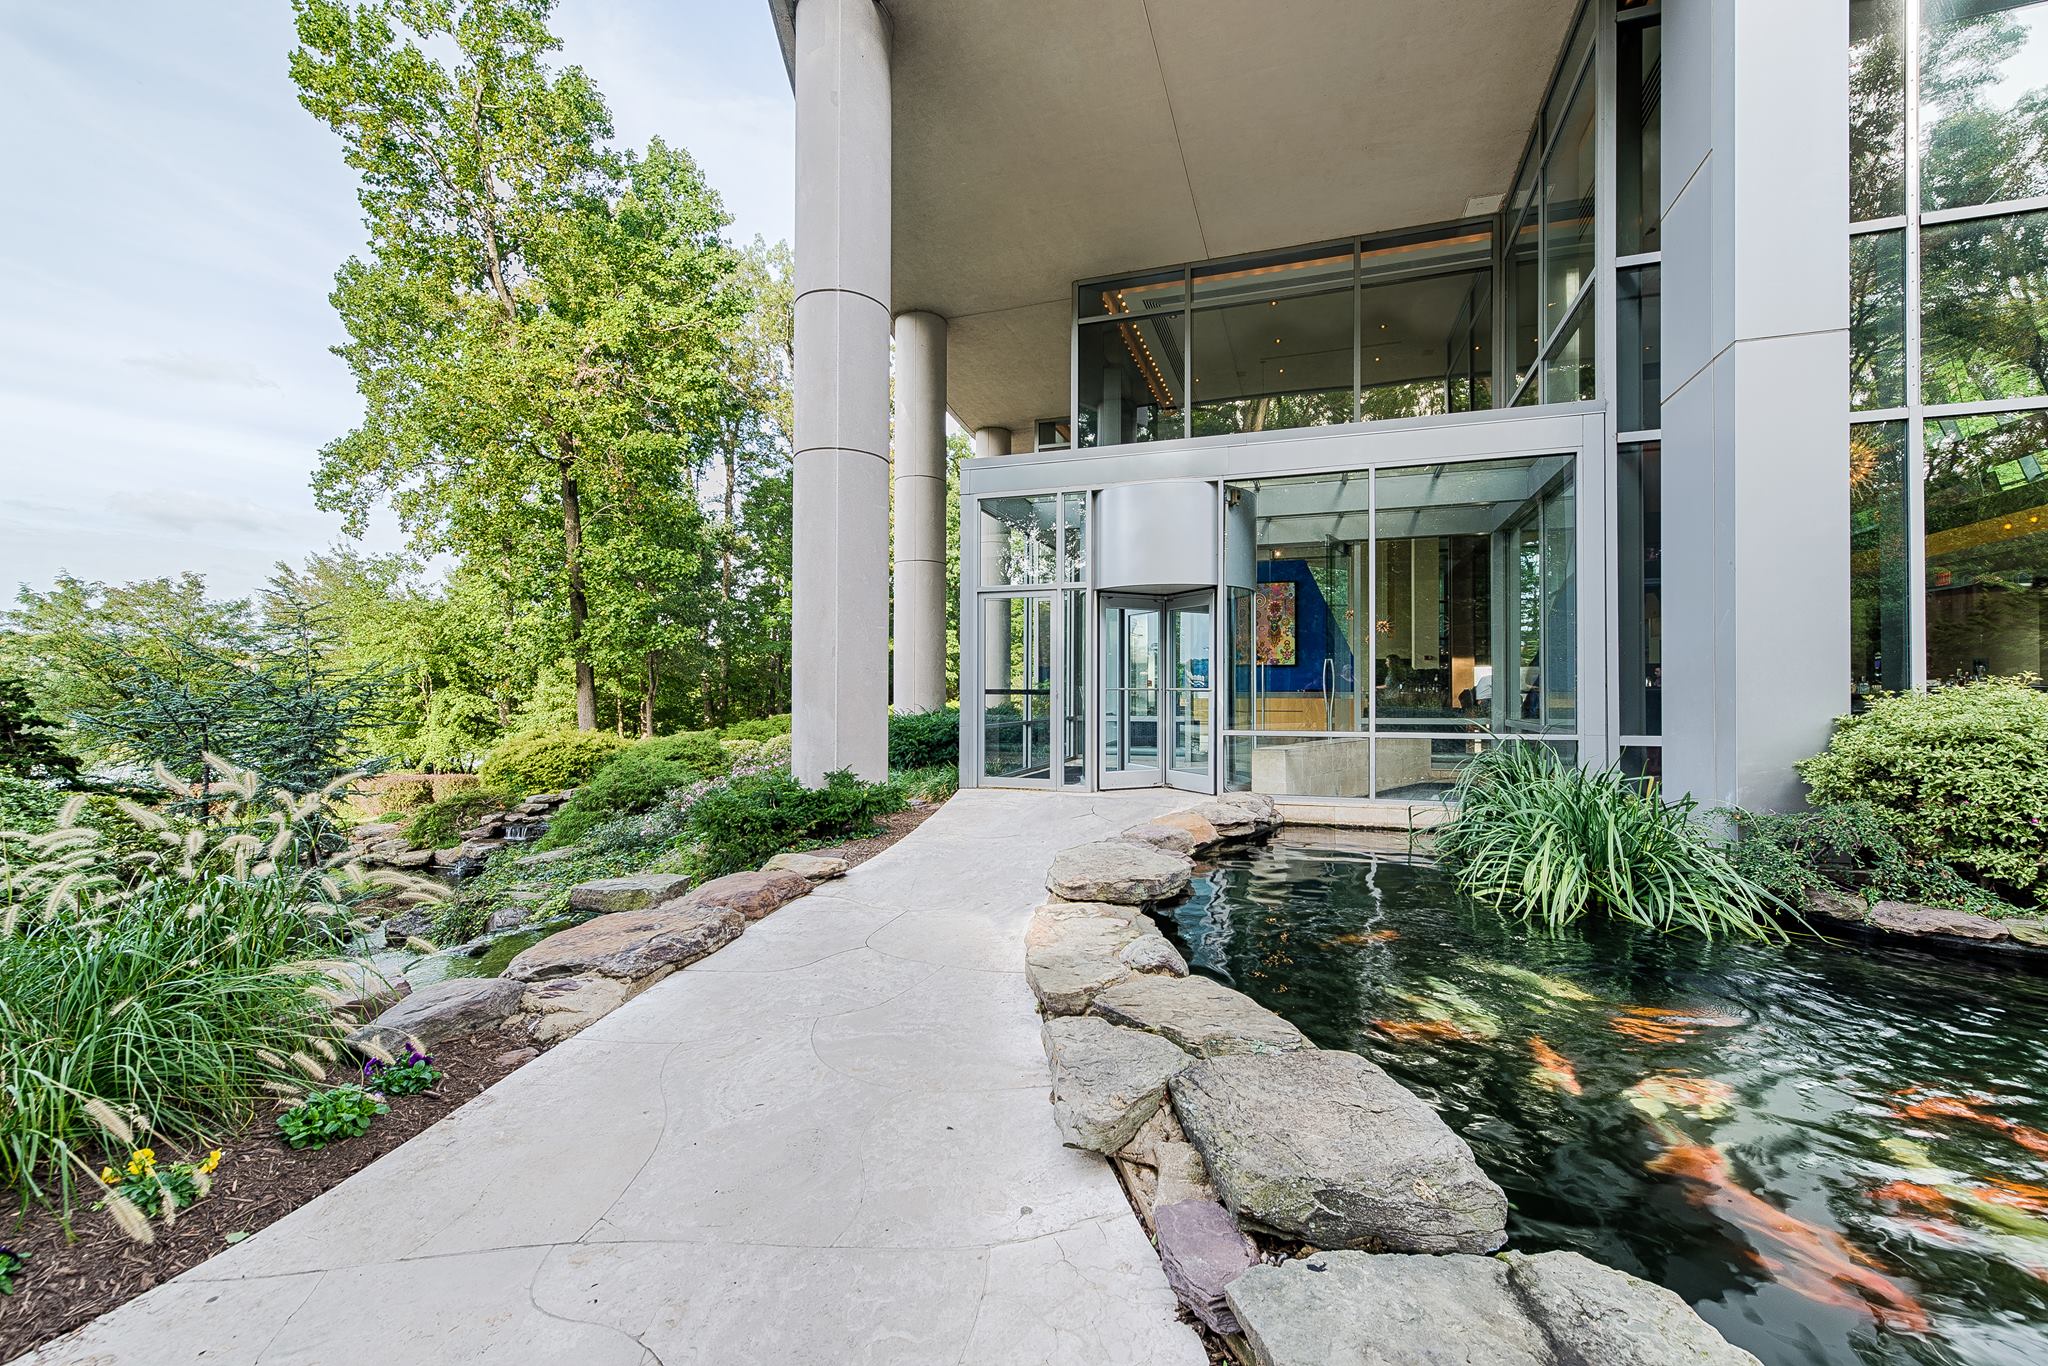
[[1391, 326], [1638, 390], [1034, 638], [1402, 619], [1948, 379]]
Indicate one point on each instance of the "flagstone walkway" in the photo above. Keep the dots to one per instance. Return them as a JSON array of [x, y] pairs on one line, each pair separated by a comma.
[[827, 1143]]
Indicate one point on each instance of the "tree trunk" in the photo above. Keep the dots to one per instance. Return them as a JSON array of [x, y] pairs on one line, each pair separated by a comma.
[[649, 683], [579, 606]]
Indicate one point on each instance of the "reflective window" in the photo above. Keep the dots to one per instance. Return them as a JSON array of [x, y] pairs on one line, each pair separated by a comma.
[[1880, 586], [1074, 748], [1273, 343], [1573, 57], [1568, 189], [1639, 597], [1987, 546], [1016, 738], [1074, 536], [1638, 350], [1019, 543], [1568, 370], [1983, 84], [1877, 320], [1054, 434], [1984, 308], [1131, 379], [1639, 129], [1877, 109]]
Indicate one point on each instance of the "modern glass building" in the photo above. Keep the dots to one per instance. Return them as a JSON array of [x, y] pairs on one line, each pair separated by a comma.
[[1330, 424]]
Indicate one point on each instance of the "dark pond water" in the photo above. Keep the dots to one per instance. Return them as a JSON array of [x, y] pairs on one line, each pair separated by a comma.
[[1838, 1157]]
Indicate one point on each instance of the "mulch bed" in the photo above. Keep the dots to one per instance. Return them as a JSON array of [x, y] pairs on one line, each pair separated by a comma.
[[259, 1182], [894, 828]]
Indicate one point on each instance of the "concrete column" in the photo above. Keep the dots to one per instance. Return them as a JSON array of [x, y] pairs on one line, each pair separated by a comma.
[[995, 637], [841, 649], [1755, 354], [920, 627]]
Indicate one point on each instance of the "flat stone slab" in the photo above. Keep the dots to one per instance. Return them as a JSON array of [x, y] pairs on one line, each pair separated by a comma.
[[629, 944], [1161, 835], [563, 1006], [1106, 1081], [1835, 905], [1326, 1147], [813, 867], [1374, 1310], [1152, 951], [1119, 872], [360, 988], [1072, 950], [542, 859], [635, 893], [1203, 1251], [441, 1011], [1206, 1018], [1594, 1313], [753, 895], [1903, 917]]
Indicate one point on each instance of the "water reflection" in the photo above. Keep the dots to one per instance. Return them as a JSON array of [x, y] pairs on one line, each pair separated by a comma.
[[1837, 1157]]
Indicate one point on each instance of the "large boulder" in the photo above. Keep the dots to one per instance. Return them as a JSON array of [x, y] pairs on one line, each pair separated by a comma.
[[1903, 917], [629, 945], [813, 867], [1203, 1251], [1366, 1310], [1593, 1313], [1830, 904], [1152, 951], [1119, 872], [563, 1006], [1072, 950], [635, 893], [753, 895], [1232, 821], [1206, 1018], [1106, 1081], [441, 1011], [1326, 1147]]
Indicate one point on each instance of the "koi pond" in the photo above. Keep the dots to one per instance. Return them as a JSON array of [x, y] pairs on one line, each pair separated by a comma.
[[1839, 1158]]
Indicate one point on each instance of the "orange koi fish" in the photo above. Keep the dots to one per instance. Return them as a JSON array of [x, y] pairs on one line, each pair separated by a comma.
[[1666, 1024], [1658, 1095], [1814, 1262], [1426, 1031], [2016, 1194], [1366, 937], [1553, 1068], [1913, 1194], [1971, 1111]]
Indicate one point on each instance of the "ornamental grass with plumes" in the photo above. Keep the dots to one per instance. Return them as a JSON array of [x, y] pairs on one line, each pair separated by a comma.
[[161, 996], [1549, 842]]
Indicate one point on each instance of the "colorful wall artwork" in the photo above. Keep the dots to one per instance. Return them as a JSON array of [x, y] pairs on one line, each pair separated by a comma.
[[1275, 634]]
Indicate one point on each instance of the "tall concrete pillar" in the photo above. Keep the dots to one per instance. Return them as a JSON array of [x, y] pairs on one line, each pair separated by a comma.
[[995, 636], [1755, 355], [920, 628], [841, 649]]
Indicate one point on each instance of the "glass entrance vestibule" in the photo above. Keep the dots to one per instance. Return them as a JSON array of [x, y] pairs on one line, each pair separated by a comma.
[[1339, 619]]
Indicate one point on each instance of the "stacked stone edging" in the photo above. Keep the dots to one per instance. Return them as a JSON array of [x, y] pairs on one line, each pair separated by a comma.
[[1935, 927], [1220, 1116]]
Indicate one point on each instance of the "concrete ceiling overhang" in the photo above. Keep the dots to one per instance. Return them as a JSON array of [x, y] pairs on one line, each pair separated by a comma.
[[1040, 144]]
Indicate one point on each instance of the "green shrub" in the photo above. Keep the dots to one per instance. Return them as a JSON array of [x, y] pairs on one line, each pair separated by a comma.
[[1546, 841], [331, 1117], [12, 1264], [637, 780], [1959, 774], [412, 1075], [760, 728], [1849, 847], [548, 760], [934, 784], [741, 824], [27, 805], [405, 794], [924, 739], [441, 825]]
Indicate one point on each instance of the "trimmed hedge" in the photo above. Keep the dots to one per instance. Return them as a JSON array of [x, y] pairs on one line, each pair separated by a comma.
[[742, 824], [760, 728], [1959, 774], [924, 739], [636, 780], [548, 760]]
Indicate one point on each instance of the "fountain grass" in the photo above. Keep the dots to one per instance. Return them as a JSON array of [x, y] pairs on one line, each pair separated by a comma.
[[1549, 843]]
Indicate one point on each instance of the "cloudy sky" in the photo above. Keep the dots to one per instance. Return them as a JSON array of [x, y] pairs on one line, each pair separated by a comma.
[[173, 226]]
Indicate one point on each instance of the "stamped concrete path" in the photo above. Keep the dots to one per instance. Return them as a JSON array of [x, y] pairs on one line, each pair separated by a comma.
[[827, 1143]]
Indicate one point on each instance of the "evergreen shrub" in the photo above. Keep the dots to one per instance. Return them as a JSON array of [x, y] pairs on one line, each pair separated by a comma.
[[548, 760]]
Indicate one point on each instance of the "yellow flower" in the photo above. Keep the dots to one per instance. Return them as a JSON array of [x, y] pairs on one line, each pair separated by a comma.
[[108, 1176], [142, 1162], [212, 1161]]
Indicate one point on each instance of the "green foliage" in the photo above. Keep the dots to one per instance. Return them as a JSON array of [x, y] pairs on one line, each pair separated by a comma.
[[1851, 846], [29, 747], [27, 806], [924, 739], [406, 794], [1959, 774], [759, 728], [440, 825], [1548, 842], [636, 780], [460, 726], [740, 824], [12, 1264], [333, 1116], [548, 761], [412, 1075], [160, 1189], [934, 784]]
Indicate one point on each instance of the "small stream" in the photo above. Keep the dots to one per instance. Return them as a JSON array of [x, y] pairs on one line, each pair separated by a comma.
[[1838, 1156]]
